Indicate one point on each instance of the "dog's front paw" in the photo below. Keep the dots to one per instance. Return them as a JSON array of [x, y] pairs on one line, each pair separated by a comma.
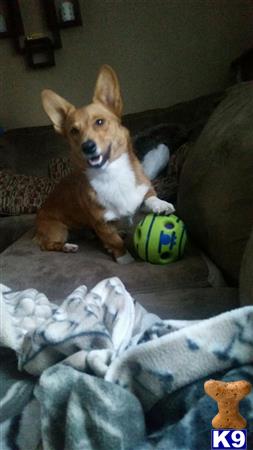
[[70, 248], [158, 206], [125, 259]]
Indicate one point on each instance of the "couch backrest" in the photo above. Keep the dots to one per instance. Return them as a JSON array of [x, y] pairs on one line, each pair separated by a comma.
[[29, 150]]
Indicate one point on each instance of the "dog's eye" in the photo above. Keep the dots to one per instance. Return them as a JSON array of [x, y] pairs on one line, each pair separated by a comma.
[[74, 131], [99, 122]]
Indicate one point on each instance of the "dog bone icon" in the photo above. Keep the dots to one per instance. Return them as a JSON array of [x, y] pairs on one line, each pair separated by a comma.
[[228, 396]]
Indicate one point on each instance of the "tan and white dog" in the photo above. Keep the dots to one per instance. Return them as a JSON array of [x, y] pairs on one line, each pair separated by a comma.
[[108, 182]]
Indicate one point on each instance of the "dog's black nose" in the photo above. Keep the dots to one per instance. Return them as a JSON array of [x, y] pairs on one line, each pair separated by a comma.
[[89, 147]]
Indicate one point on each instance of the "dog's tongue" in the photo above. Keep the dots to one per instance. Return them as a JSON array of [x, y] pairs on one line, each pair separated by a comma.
[[95, 160]]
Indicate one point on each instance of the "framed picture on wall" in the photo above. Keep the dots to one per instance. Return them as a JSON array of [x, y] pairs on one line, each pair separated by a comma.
[[68, 13]]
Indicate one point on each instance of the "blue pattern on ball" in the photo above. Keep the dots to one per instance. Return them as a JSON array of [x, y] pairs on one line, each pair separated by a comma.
[[167, 239]]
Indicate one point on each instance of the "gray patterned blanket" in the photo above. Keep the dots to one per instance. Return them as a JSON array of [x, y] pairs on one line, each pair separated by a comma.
[[101, 373]]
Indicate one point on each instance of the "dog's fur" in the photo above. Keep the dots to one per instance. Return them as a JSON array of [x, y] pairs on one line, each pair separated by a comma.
[[108, 182]]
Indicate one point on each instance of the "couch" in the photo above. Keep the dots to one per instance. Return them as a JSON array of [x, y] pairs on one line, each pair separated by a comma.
[[198, 286]]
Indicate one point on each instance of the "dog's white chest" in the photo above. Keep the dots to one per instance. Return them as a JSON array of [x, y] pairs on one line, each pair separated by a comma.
[[116, 188]]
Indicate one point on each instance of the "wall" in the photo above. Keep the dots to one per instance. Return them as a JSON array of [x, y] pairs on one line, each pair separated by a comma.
[[164, 51]]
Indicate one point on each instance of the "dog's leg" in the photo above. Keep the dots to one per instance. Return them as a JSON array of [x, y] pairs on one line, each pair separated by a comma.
[[52, 235], [153, 204], [113, 242]]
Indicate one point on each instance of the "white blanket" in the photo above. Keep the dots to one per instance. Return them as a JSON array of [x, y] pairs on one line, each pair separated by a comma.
[[106, 333]]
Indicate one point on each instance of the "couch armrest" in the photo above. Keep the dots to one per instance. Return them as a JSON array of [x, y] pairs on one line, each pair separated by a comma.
[[246, 283]]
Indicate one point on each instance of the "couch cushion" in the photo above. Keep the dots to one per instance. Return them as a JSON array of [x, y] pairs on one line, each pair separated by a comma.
[[22, 194], [190, 303], [59, 168], [216, 182], [246, 274], [180, 290], [11, 228], [57, 274]]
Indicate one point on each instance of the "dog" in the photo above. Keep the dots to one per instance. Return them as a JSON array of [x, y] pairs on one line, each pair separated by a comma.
[[108, 182]]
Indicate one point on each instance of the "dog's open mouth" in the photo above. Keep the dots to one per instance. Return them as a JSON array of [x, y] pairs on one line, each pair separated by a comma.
[[99, 160]]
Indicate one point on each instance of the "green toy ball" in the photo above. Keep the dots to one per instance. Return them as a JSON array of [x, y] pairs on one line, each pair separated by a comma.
[[160, 239]]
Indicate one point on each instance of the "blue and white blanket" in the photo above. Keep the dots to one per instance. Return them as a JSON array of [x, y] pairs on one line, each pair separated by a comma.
[[99, 372]]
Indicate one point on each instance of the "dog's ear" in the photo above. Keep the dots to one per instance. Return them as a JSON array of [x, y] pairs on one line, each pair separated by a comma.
[[56, 108], [107, 90]]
